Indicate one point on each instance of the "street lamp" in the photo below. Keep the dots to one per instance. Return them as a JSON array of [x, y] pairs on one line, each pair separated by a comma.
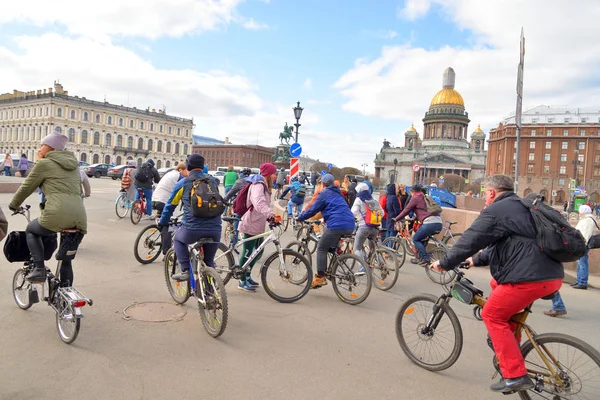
[[364, 168], [297, 114], [425, 168], [395, 165]]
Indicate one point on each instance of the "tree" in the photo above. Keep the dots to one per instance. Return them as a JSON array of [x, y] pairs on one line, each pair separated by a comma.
[[454, 183], [351, 171], [318, 167], [474, 186]]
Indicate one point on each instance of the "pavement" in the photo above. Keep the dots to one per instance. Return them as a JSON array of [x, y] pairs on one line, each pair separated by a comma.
[[315, 348]]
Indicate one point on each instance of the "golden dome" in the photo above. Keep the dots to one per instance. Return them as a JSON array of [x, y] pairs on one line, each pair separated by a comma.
[[478, 130], [447, 96], [412, 128]]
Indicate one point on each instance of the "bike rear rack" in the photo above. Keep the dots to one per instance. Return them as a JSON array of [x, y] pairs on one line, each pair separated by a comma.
[[75, 297]]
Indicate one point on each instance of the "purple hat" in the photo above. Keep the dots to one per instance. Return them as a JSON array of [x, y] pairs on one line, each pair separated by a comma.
[[56, 140]]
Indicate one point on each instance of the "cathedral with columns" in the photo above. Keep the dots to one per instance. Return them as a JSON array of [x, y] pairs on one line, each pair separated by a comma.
[[444, 148]]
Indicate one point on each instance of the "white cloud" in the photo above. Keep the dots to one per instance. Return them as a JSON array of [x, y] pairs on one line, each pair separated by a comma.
[[414, 9], [381, 34], [252, 25], [307, 83]]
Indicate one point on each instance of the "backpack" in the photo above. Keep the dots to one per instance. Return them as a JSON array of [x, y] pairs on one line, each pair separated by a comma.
[[594, 241], [373, 213], [432, 206], [240, 203], [126, 180], [302, 191], [555, 236], [205, 200], [144, 174]]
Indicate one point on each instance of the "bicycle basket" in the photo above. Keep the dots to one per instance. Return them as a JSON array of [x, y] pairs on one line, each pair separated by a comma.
[[69, 243], [16, 249], [462, 293]]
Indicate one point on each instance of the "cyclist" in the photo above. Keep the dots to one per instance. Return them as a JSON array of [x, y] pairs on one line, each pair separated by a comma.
[[281, 176], [359, 209], [165, 187], [339, 220], [192, 228], [522, 273], [297, 199], [254, 220], [431, 223], [239, 184], [143, 180], [57, 174], [229, 179]]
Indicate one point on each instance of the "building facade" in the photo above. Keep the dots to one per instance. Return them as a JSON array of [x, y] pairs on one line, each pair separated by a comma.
[[557, 145], [239, 155], [98, 132], [445, 148]]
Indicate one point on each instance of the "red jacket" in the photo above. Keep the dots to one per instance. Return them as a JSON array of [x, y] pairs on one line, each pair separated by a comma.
[[418, 205], [382, 203]]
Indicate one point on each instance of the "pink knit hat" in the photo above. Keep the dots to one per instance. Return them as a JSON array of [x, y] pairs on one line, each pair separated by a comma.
[[267, 169]]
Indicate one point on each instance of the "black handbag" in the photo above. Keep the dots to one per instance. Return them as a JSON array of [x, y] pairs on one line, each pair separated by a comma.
[[16, 249], [594, 241]]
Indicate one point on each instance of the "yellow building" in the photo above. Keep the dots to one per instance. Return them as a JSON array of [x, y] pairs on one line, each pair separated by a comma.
[[99, 132]]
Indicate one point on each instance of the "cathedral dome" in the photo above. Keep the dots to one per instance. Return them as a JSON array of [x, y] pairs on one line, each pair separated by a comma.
[[448, 95]]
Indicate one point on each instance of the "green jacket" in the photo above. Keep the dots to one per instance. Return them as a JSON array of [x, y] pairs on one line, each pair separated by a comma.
[[230, 178], [58, 177]]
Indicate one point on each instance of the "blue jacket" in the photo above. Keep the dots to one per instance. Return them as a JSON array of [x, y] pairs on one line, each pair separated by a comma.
[[392, 206], [370, 185], [181, 192], [294, 187], [334, 209]]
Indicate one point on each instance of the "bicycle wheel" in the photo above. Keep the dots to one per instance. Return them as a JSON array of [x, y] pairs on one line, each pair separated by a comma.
[[66, 322], [384, 267], [441, 278], [121, 206], [136, 212], [148, 244], [285, 221], [578, 365], [179, 291], [280, 280], [214, 312], [442, 344], [451, 240], [351, 279], [224, 261], [21, 287], [301, 248], [397, 245]]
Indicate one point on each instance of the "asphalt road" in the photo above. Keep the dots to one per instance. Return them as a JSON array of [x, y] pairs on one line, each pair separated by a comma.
[[318, 347]]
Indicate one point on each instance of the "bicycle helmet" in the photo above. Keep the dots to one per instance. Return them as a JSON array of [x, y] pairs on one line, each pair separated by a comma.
[[293, 179], [246, 172]]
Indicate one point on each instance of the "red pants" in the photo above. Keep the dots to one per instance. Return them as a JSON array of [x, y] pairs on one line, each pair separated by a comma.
[[504, 302]]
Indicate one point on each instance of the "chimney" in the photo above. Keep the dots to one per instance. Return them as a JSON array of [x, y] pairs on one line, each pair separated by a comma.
[[226, 140]]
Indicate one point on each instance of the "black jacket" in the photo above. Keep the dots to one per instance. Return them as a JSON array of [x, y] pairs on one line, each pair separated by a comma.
[[148, 185], [506, 231]]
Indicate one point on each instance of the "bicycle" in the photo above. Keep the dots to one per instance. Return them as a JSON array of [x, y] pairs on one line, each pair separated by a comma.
[[548, 369], [205, 284], [448, 237], [66, 301], [306, 234], [151, 242], [138, 208], [122, 205], [285, 285], [383, 262]]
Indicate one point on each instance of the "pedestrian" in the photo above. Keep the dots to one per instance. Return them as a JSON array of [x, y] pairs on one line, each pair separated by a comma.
[[403, 196], [230, 178], [7, 164], [313, 178], [521, 271], [369, 184], [351, 195], [23, 165], [281, 177], [254, 220], [565, 206], [383, 203], [368, 228], [144, 177]]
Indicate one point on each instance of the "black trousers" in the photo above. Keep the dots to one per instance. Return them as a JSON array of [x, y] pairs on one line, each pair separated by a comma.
[[329, 239], [34, 233]]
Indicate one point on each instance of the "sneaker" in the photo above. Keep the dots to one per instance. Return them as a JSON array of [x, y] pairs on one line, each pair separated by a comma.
[[582, 287], [318, 282], [244, 285], [555, 313], [513, 384], [181, 276], [252, 282], [37, 275], [415, 260]]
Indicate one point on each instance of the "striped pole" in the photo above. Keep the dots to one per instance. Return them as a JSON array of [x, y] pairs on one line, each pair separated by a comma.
[[294, 167]]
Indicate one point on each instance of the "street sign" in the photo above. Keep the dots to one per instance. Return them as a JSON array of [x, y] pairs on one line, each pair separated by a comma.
[[441, 180], [323, 172], [466, 181], [416, 167], [294, 167], [295, 150], [329, 165]]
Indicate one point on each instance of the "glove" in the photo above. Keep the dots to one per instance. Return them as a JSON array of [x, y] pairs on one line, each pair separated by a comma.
[[13, 208]]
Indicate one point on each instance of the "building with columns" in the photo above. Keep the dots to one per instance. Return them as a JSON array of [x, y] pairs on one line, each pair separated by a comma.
[[98, 132], [444, 149]]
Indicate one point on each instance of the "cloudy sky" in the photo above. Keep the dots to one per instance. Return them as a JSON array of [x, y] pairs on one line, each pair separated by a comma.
[[363, 70]]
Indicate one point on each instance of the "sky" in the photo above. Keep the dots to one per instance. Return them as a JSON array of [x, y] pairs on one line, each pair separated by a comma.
[[364, 71]]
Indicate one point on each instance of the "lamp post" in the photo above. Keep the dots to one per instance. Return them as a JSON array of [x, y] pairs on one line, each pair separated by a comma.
[[364, 168], [297, 114], [395, 165], [425, 168]]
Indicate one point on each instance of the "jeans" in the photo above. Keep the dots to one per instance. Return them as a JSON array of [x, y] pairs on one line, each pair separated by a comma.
[[362, 234], [34, 233], [290, 207], [23, 173], [184, 236], [423, 233], [583, 271], [557, 303], [147, 195], [7, 171], [247, 250], [329, 239], [228, 188]]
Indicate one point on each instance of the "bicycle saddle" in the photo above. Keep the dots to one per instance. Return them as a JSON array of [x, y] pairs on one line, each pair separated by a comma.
[[204, 241]]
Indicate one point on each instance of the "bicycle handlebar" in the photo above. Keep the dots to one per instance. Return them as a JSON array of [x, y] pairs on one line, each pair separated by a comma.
[[21, 210]]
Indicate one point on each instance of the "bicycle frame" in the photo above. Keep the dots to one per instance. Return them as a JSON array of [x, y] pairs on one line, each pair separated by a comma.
[[237, 269]]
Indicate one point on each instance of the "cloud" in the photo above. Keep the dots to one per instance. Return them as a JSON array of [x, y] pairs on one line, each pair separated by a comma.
[[252, 25], [381, 34], [414, 9], [307, 84], [400, 83]]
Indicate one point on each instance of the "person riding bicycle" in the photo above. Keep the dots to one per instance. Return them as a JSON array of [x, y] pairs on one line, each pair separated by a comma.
[[431, 223], [281, 177], [521, 271], [229, 179], [339, 220], [192, 228], [298, 191], [165, 187], [366, 230], [239, 184], [57, 174], [143, 180]]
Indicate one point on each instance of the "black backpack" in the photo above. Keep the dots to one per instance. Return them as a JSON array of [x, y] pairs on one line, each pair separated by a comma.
[[594, 241], [555, 236], [205, 200], [144, 174]]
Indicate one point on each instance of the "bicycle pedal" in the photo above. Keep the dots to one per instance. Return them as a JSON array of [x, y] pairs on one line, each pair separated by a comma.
[[539, 384]]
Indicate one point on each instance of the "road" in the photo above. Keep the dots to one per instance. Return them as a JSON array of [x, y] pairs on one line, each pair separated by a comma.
[[318, 347]]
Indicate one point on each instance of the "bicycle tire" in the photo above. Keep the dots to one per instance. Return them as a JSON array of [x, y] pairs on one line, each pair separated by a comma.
[[454, 237], [443, 278], [19, 280], [406, 310], [224, 270], [153, 242], [121, 208], [397, 245], [136, 214], [218, 287], [285, 221], [63, 312], [350, 274], [179, 291], [546, 339], [301, 248], [298, 259], [382, 271]]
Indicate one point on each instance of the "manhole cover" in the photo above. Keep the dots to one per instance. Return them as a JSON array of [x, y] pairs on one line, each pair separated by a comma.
[[152, 311]]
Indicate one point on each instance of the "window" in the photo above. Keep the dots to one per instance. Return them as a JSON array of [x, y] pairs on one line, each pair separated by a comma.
[[528, 179], [160, 128], [533, 132], [547, 157], [176, 148], [514, 157], [96, 138], [531, 145], [130, 142], [159, 145], [581, 145], [85, 116], [561, 182], [584, 120], [108, 139], [131, 123], [58, 129], [563, 169], [582, 132], [545, 181], [185, 149], [28, 113], [151, 127], [178, 131], [71, 134], [84, 137], [548, 145], [150, 144], [96, 159], [83, 157], [565, 145], [530, 168], [97, 118], [46, 113], [168, 147], [72, 114], [546, 169], [565, 132], [563, 158], [140, 144], [120, 121], [531, 157], [59, 113], [109, 121], [187, 132], [549, 132], [580, 157], [141, 124], [119, 141], [171, 130]]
